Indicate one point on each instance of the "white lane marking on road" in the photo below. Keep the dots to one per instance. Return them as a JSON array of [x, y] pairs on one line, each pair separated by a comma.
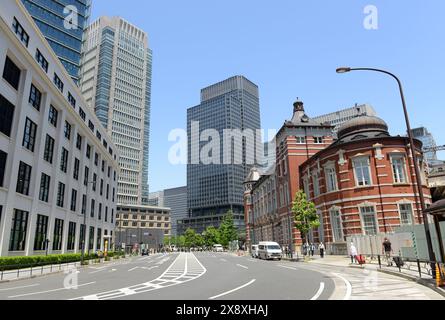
[[291, 268], [186, 267], [48, 291], [113, 270], [233, 290], [348, 286], [241, 266], [223, 260], [132, 269], [319, 292], [22, 287]]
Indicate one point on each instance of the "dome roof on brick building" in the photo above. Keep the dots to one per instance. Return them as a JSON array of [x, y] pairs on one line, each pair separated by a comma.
[[363, 127]]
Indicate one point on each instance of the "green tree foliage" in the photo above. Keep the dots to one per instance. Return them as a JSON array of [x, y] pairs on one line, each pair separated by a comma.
[[211, 236], [227, 230], [305, 214], [190, 238], [180, 241]]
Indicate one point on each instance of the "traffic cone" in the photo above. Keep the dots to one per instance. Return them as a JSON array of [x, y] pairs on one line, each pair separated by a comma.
[[438, 277]]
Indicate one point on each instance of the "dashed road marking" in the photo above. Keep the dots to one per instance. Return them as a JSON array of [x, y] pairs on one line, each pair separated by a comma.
[[241, 266], [22, 287], [233, 290], [48, 291]]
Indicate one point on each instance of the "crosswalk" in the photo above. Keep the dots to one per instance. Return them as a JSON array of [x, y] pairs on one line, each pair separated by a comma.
[[185, 268]]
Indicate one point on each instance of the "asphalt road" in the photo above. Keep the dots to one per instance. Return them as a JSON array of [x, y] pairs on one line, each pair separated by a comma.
[[204, 276]]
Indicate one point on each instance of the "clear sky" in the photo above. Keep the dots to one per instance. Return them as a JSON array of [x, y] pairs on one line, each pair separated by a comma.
[[289, 48]]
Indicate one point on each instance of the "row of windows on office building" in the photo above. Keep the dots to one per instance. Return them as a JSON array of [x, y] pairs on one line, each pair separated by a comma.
[[12, 75], [29, 142], [20, 227]]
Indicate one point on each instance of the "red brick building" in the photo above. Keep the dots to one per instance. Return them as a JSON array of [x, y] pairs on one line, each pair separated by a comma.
[[269, 195], [364, 183]]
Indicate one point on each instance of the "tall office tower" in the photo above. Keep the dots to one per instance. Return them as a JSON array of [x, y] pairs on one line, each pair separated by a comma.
[[116, 82], [215, 188], [340, 117], [176, 200], [156, 199], [63, 24], [429, 143]]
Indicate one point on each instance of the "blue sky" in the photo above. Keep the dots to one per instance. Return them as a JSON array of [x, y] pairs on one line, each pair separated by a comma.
[[290, 49]]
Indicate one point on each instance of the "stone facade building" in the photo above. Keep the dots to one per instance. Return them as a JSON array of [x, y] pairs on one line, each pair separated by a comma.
[[364, 183]]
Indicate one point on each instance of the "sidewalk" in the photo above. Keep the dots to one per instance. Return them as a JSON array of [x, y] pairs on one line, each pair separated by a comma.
[[408, 272], [29, 273]]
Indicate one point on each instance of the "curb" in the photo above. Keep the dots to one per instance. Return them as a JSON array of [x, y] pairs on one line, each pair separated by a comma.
[[82, 267]]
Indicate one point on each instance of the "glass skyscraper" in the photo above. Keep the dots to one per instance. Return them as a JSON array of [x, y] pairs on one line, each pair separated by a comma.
[[214, 189], [51, 17], [115, 80], [428, 141]]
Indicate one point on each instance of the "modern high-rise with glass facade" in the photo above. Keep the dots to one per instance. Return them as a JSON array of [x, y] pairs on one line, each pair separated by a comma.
[[214, 189], [62, 22], [116, 82], [429, 143]]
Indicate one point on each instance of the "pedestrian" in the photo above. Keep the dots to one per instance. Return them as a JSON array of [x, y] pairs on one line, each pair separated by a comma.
[[312, 249], [321, 247], [353, 251], [387, 250], [306, 249]]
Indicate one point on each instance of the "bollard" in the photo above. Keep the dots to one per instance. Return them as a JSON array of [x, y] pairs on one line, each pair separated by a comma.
[[438, 280], [418, 267], [380, 261]]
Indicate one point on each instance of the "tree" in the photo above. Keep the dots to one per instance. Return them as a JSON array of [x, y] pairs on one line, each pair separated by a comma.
[[227, 230], [211, 236], [180, 242], [305, 214], [190, 238]]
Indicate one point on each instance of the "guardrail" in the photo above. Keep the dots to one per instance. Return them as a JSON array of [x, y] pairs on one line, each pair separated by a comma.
[[422, 269]]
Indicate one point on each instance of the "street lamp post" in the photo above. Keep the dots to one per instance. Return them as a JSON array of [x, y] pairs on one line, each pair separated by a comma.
[[413, 151]]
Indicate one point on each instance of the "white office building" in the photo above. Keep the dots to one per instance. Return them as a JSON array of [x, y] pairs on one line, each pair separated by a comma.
[[116, 83], [58, 165], [342, 116]]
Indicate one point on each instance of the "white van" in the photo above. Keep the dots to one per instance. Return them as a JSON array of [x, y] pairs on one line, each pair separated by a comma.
[[269, 250], [254, 251], [218, 248]]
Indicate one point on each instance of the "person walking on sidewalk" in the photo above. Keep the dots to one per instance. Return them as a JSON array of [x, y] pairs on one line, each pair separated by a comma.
[[312, 249], [387, 250], [353, 251], [321, 248]]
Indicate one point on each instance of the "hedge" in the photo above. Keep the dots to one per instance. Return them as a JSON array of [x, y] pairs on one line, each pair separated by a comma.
[[12, 263]]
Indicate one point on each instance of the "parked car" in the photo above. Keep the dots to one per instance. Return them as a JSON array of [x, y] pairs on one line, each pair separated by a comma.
[[269, 250], [254, 251], [218, 248]]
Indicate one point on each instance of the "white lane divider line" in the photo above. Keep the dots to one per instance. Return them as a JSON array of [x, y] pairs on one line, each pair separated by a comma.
[[319, 292], [348, 286], [183, 269], [48, 291], [286, 267], [223, 260], [132, 269], [233, 290], [241, 266], [22, 287]]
